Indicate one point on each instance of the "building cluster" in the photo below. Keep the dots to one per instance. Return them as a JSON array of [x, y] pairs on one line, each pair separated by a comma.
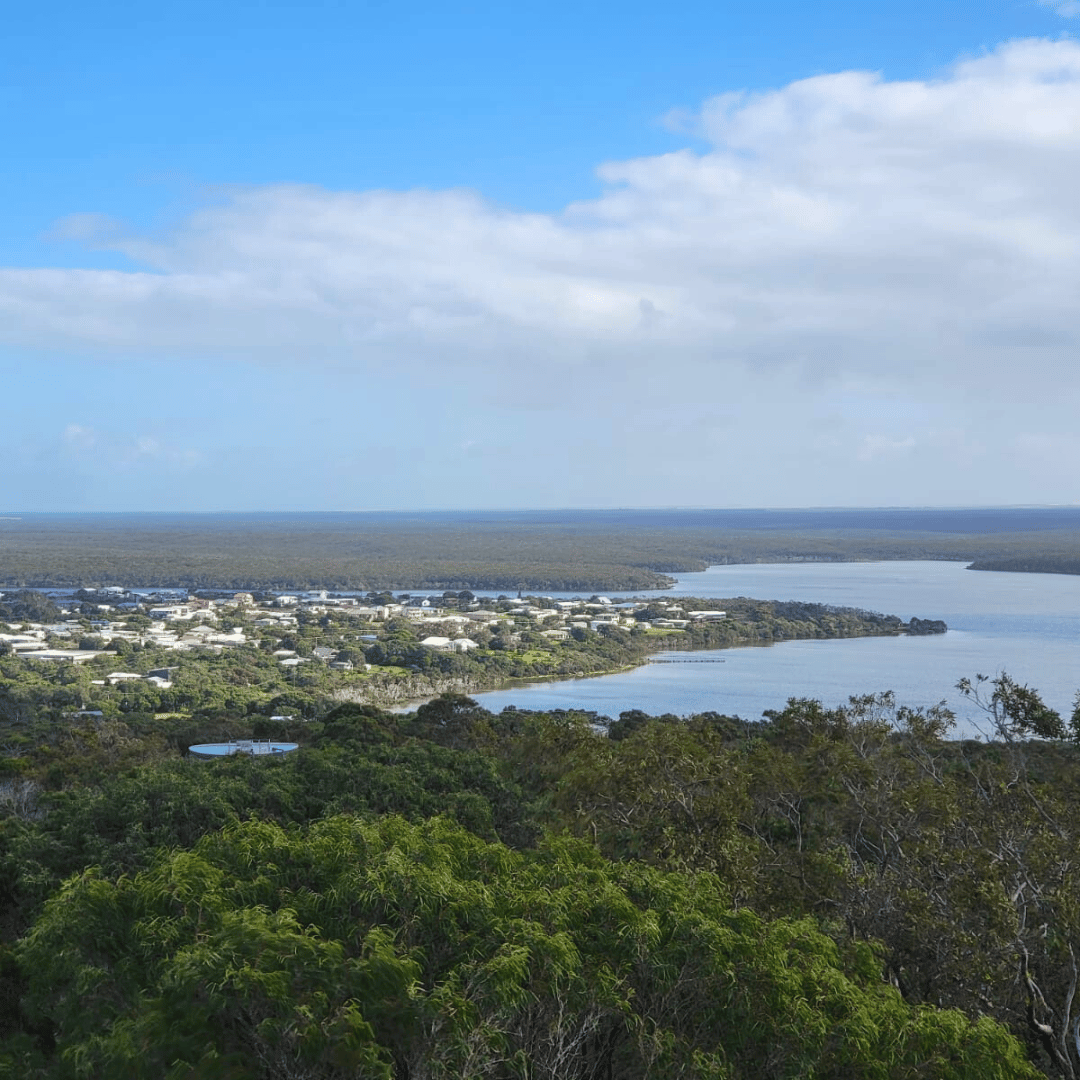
[[178, 621]]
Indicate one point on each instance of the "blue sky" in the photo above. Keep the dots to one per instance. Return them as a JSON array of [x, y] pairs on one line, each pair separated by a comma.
[[362, 256]]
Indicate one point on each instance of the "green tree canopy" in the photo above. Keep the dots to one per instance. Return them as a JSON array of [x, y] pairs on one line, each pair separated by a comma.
[[392, 950]]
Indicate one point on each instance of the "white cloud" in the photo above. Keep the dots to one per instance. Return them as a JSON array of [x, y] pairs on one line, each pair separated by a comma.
[[919, 240], [881, 446], [77, 435], [126, 452], [1067, 8], [843, 222]]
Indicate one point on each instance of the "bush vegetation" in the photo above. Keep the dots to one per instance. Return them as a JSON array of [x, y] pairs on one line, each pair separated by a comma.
[[451, 892]]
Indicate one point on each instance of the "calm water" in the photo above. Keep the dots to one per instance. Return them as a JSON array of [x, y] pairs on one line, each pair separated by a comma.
[[1025, 624]]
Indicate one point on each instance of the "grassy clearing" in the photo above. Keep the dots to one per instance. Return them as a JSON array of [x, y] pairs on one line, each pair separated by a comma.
[[535, 656]]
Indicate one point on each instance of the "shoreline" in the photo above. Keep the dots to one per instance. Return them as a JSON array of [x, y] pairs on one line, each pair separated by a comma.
[[411, 704]]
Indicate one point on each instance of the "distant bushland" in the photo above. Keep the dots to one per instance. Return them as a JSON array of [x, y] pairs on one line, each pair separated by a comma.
[[606, 550]]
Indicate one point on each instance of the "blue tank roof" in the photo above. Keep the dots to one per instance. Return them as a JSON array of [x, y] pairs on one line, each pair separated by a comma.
[[253, 747]]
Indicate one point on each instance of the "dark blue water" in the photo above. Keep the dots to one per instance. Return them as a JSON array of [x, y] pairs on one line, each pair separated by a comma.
[[1025, 624]]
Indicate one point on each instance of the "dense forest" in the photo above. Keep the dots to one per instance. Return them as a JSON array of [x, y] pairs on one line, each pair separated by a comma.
[[555, 551], [827, 893]]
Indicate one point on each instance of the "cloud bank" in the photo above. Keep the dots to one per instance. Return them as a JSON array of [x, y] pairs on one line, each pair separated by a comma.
[[909, 246]]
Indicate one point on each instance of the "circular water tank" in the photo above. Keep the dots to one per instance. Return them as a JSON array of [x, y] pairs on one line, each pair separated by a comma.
[[252, 747]]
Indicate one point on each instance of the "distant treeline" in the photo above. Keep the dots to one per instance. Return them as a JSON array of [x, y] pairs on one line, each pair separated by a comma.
[[1032, 564], [620, 551]]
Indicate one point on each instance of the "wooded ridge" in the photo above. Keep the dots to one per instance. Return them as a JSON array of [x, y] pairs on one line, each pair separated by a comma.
[[451, 892]]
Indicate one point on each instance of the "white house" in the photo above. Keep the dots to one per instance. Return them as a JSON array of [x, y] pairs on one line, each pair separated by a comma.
[[436, 642], [114, 678]]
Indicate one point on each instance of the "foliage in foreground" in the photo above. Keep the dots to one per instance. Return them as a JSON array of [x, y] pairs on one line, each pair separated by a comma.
[[959, 860], [389, 949]]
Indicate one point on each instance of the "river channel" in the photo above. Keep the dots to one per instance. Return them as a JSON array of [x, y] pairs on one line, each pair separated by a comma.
[[1025, 624]]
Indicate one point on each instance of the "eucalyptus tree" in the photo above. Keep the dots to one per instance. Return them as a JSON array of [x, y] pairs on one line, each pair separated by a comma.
[[388, 950]]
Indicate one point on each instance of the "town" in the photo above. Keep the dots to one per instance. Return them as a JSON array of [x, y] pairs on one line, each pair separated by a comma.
[[224, 656], [375, 646], [92, 622]]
